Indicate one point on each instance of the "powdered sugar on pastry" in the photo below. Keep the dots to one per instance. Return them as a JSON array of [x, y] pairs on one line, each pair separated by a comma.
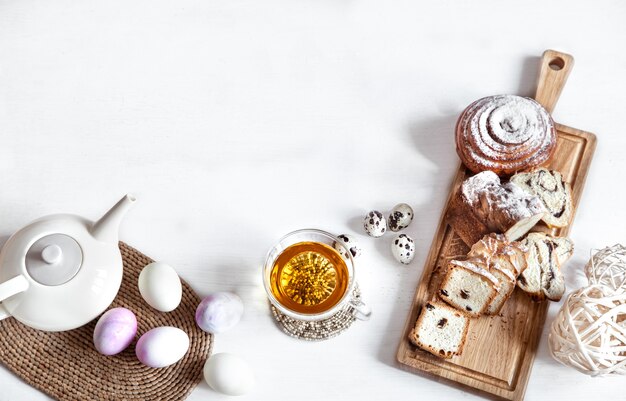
[[504, 133], [494, 202], [474, 186]]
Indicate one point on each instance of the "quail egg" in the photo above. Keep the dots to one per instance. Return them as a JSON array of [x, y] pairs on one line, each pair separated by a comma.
[[347, 243], [400, 217], [375, 224], [403, 249]]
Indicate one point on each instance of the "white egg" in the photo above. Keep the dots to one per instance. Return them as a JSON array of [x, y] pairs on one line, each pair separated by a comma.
[[228, 374], [162, 346], [403, 249], [400, 217], [375, 224], [160, 286]]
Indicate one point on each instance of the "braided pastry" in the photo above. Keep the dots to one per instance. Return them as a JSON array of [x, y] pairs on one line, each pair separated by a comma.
[[549, 186], [542, 278], [504, 134]]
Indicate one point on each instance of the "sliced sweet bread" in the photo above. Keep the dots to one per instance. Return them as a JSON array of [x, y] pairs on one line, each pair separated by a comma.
[[529, 279], [563, 246], [517, 212], [462, 215], [469, 286], [554, 193], [501, 257], [490, 245], [542, 278], [552, 280], [502, 269], [440, 330], [484, 205], [517, 253], [498, 244]]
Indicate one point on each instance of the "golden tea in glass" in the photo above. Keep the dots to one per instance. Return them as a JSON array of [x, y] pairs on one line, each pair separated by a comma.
[[309, 277]]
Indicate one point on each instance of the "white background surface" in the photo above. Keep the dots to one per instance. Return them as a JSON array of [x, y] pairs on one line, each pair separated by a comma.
[[235, 122]]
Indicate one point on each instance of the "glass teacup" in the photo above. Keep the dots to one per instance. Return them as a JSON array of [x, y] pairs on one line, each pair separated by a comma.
[[309, 275]]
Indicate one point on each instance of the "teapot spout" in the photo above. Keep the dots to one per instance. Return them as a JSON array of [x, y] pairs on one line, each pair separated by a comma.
[[107, 228]]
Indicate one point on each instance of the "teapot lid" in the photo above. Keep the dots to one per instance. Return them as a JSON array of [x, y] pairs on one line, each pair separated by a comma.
[[54, 259]]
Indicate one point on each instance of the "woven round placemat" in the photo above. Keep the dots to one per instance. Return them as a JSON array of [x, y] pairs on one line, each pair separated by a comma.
[[66, 365], [321, 329]]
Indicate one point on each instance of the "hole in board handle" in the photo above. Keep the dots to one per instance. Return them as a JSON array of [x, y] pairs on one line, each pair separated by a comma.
[[557, 63]]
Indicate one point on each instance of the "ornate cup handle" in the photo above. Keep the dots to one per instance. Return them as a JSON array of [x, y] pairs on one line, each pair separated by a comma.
[[360, 310]]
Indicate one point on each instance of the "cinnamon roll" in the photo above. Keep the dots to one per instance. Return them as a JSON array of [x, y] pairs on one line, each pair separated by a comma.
[[504, 134]]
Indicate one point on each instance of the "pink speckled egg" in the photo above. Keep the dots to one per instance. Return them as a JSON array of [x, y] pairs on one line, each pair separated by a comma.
[[219, 312], [114, 331]]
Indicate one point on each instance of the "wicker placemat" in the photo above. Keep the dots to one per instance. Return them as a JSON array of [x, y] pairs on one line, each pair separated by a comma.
[[322, 329], [66, 365]]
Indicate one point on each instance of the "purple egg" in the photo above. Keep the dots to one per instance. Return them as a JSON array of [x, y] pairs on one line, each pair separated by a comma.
[[219, 312], [114, 331]]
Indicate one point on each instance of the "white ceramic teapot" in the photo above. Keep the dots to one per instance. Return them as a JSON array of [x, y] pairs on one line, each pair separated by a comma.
[[61, 271]]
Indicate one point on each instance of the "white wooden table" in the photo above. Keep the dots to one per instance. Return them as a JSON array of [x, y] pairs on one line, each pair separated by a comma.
[[235, 122]]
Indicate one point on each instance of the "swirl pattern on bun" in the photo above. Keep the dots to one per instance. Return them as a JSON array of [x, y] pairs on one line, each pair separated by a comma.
[[504, 134]]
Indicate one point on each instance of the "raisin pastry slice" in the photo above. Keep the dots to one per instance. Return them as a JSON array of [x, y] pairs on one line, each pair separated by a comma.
[[502, 268], [440, 330], [469, 286], [554, 193], [502, 259]]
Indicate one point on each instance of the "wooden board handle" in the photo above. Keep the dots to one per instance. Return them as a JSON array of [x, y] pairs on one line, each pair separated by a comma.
[[555, 68]]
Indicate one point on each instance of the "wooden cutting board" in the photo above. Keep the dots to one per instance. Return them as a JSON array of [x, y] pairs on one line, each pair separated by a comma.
[[499, 351]]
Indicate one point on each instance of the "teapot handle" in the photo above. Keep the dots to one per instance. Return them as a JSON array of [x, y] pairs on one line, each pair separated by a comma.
[[9, 288]]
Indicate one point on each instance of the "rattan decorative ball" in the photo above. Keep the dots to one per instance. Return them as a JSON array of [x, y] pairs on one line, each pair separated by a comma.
[[608, 267], [589, 332]]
